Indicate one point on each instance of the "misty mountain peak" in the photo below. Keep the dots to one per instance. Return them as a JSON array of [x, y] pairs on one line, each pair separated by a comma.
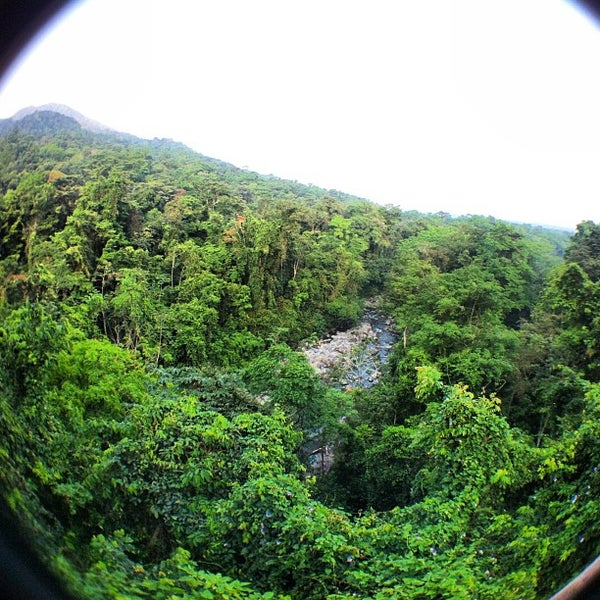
[[66, 111]]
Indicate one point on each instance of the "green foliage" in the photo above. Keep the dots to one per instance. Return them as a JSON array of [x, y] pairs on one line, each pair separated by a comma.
[[459, 293], [467, 443], [282, 377], [113, 574], [584, 249], [154, 415]]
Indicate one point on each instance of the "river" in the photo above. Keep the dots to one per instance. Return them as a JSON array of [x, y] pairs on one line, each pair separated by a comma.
[[348, 360], [354, 359]]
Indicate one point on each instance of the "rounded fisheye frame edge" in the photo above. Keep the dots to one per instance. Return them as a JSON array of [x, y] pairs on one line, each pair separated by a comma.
[[591, 7], [20, 20], [23, 576], [22, 573]]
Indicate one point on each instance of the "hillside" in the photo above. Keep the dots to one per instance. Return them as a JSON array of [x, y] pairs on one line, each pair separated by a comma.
[[66, 111], [155, 406]]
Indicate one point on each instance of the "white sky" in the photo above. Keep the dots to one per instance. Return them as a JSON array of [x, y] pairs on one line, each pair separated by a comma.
[[463, 106]]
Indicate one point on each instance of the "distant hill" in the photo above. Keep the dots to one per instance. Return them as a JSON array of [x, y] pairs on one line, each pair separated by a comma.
[[39, 123], [68, 127], [66, 111], [53, 118]]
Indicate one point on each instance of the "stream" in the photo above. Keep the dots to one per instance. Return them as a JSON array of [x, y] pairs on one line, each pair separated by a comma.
[[348, 360], [353, 359]]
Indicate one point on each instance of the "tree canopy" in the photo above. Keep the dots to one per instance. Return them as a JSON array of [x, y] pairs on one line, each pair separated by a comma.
[[157, 413]]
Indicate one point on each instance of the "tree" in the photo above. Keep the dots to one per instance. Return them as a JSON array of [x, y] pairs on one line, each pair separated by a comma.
[[467, 442], [584, 249], [284, 378]]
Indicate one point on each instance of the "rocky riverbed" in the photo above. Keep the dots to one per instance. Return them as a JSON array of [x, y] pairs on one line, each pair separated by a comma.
[[354, 358], [348, 360]]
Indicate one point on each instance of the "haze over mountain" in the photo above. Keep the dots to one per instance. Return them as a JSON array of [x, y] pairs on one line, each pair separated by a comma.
[[67, 111], [29, 118]]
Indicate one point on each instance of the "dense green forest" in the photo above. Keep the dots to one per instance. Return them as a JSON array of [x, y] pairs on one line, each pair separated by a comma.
[[155, 402]]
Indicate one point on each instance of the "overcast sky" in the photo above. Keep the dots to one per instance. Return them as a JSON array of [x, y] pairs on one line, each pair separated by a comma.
[[461, 106]]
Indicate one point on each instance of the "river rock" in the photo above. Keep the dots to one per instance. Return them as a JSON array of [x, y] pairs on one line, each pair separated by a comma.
[[353, 358]]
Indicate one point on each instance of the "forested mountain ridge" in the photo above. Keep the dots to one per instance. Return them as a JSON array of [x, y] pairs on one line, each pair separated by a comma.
[[153, 407], [83, 121]]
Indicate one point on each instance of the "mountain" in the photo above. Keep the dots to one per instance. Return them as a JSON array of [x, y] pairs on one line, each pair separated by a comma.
[[50, 119], [66, 111], [42, 123]]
